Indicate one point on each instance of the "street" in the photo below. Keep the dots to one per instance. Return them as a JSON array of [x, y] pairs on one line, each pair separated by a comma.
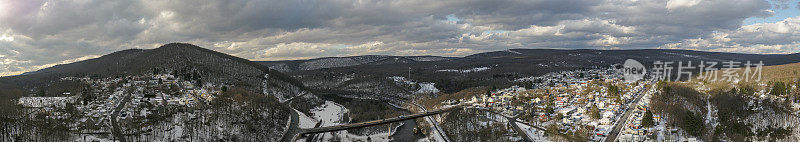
[[612, 136]]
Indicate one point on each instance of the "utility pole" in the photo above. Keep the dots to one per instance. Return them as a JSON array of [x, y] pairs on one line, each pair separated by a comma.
[[409, 73]]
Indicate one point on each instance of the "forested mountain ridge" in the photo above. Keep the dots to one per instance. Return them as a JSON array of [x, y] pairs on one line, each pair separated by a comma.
[[498, 68], [175, 92], [179, 59]]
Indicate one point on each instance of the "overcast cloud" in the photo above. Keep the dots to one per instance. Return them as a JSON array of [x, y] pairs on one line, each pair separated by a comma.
[[36, 34]]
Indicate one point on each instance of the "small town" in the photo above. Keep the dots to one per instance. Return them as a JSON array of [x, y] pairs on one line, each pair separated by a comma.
[[598, 102], [129, 99], [572, 101]]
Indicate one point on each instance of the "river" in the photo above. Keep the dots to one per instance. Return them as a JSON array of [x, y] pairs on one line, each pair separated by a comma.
[[405, 133]]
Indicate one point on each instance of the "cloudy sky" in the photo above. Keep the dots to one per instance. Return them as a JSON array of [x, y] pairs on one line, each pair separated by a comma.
[[36, 34]]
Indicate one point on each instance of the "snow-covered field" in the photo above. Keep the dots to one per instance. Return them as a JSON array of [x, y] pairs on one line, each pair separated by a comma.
[[331, 114], [306, 121], [427, 88], [424, 87]]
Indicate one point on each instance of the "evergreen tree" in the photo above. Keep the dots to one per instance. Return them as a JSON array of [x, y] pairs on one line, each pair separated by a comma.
[[614, 92], [647, 121], [594, 112], [778, 89], [693, 124]]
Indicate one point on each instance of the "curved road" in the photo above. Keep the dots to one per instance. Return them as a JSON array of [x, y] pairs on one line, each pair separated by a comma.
[[293, 127], [115, 129], [515, 127], [520, 131]]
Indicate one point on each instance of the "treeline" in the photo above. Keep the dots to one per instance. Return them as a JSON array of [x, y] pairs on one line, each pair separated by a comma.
[[682, 107], [473, 125], [740, 114], [20, 124], [236, 115]]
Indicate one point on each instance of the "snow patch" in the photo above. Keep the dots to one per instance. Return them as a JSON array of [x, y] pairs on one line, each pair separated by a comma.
[[684, 55], [427, 88], [330, 113], [305, 121], [478, 69], [424, 87], [512, 51], [533, 133], [91, 138], [401, 80]]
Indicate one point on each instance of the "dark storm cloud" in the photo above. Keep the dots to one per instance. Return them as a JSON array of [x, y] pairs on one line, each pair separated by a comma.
[[517, 14], [36, 34]]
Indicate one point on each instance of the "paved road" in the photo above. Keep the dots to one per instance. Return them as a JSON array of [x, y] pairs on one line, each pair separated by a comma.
[[290, 135], [612, 136], [115, 129], [293, 127], [435, 124], [520, 131], [511, 118], [515, 127]]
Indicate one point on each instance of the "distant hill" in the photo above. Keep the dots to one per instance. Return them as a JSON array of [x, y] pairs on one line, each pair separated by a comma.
[[499, 68], [581, 58], [784, 73], [361, 75], [332, 62], [208, 65]]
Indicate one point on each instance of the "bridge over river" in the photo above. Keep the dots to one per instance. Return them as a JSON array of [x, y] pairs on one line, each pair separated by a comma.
[[374, 122], [311, 131]]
